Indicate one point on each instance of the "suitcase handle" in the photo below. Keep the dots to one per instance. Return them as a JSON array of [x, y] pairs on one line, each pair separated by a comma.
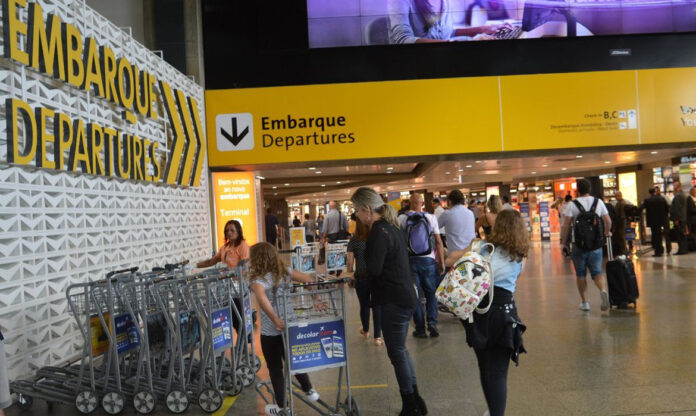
[[610, 252]]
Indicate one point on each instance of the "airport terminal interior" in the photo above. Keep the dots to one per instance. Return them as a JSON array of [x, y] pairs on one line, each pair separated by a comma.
[[167, 166]]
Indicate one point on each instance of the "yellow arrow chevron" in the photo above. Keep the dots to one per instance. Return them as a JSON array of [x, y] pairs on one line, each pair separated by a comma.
[[200, 152], [189, 150], [171, 172]]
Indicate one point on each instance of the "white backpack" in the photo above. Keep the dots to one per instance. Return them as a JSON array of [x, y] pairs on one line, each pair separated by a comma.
[[468, 282]]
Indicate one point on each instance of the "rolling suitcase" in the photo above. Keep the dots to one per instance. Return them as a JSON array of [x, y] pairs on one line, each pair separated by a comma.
[[621, 280]]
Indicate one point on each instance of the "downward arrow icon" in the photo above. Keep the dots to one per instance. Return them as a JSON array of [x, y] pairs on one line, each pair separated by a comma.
[[235, 137]]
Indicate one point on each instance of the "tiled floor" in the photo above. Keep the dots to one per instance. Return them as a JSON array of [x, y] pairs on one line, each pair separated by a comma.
[[636, 362]]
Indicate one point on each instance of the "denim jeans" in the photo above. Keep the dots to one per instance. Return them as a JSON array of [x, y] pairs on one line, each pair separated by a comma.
[[395, 323], [362, 289], [427, 280]]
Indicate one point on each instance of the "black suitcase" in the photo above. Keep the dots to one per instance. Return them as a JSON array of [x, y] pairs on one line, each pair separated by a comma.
[[621, 279]]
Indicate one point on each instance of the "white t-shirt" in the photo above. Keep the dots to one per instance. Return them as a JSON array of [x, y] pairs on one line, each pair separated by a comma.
[[432, 220], [438, 211], [586, 202]]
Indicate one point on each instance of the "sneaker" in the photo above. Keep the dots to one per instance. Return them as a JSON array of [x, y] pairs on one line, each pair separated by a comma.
[[420, 334], [312, 395], [605, 300], [487, 413], [584, 306], [272, 410], [433, 331]]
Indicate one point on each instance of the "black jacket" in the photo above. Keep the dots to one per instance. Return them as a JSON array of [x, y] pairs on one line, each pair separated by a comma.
[[656, 211], [388, 267], [691, 210]]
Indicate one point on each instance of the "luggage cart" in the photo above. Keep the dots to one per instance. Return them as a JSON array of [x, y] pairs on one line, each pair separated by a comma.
[[314, 340]]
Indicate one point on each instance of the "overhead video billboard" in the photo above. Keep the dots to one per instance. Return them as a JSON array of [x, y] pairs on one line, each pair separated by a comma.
[[390, 22]]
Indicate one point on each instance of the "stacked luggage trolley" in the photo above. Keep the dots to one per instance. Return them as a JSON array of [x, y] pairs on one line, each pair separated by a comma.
[[314, 334], [163, 337]]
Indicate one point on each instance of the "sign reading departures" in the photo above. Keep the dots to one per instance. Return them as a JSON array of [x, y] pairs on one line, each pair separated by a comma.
[[47, 138]]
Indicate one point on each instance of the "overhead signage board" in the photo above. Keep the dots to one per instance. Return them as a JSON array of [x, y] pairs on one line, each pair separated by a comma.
[[450, 116], [158, 136]]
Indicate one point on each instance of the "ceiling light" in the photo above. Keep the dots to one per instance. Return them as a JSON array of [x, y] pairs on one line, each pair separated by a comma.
[[607, 161], [578, 157], [544, 166], [533, 173], [338, 182], [325, 193], [275, 187], [447, 173], [654, 152], [478, 161], [461, 170], [413, 186], [390, 168], [276, 193], [318, 172], [323, 186], [564, 168], [469, 166], [312, 168], [260, 177]]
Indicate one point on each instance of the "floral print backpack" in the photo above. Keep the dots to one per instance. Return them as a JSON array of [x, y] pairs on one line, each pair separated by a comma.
[[468, 282]]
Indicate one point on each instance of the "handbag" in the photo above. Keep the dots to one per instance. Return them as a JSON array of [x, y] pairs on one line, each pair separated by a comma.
[[469, 280]]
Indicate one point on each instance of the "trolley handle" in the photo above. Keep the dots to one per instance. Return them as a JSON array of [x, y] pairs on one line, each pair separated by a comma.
[[170, 267], [115, 272], [322, 283]]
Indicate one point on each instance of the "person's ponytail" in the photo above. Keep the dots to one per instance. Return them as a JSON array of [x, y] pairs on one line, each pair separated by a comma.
[[389, 214]]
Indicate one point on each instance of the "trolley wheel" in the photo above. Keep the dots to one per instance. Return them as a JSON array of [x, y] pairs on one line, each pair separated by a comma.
[[247, 375], [210, 400], [177, 401], [24, 402], [144, 402], [232, 385], [354, 408], [113, 402], [257, 363], [86, 402]]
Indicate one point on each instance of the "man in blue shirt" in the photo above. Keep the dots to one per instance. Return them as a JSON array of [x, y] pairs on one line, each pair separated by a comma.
[[458, 221]]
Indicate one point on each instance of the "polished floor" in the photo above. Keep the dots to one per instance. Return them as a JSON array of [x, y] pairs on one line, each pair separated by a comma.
[[622, 362]]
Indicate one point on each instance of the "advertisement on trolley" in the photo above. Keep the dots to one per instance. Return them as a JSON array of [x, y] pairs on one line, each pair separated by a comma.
[[317, 346]]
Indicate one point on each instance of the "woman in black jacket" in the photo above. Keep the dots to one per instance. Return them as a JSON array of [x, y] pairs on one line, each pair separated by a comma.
[[393, 289]]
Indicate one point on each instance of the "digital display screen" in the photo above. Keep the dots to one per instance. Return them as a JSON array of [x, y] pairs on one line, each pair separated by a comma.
[[334, 23]]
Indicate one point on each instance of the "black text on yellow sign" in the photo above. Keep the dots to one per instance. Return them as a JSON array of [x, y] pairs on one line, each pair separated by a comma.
[[57, 48]]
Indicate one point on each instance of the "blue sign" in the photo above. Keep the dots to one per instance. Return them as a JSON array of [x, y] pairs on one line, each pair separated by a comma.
[[544, 211], [630, 234], [248, 320], [126, 333], [222, 329], [317, 346], [524, 213]]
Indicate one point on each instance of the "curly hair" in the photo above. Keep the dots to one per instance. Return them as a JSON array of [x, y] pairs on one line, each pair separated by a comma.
[[263, 259], [510, 234]]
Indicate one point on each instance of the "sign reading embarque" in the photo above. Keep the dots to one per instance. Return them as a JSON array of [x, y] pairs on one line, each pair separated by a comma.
[[50, 139]]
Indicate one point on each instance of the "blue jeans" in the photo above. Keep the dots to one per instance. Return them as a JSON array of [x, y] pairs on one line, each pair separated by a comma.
[[427, 280], [583, 260], [395, 323]]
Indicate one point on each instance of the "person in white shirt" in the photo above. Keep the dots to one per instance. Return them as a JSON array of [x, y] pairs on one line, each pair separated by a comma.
[[506, 202], [459, 222], [582, 259], [439, 209], [426, 270]]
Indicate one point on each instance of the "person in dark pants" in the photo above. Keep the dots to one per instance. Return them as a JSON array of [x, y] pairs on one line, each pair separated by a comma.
[[271, 228], [677, 213], [656, 210], [496, 336], [665, 227], [356, 255], [393, 288], [269, 278]]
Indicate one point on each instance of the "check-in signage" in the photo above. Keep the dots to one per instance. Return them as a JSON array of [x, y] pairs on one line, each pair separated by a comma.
[[450, 116], [77, 136]]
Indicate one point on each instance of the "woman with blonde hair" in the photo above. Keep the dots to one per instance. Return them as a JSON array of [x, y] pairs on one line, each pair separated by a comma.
[[487, 219], [269, 279], [496, 336], [393, 289]]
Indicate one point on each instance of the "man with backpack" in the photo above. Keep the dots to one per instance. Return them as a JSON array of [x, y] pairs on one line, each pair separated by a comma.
[[427, 260], [589, 220]]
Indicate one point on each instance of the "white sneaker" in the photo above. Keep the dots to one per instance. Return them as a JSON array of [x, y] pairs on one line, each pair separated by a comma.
[[272, 410], [312, 395], [584, 306], [487, 413], [605, 300]]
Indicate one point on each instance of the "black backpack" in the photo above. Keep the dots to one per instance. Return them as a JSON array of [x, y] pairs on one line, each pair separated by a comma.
[[588, 228]]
